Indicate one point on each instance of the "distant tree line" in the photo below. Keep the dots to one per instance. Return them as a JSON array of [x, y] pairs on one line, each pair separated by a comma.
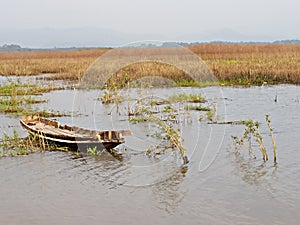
[[18, 48], [10, 48]]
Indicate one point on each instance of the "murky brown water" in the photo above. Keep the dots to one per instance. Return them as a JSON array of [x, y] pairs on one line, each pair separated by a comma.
[[217, 187]]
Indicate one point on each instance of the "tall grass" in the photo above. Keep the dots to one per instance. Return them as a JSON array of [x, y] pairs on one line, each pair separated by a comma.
[[231, 64], [252, 64], [65, 64]]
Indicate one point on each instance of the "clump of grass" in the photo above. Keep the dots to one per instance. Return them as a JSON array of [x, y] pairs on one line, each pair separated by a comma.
[[210, 115], [22, 105], [92, 151], [21, 89], [95, 152], [15, 145], [17, 98], [237, 122], [111, 96], [183, 97], [52, 113], [193, 83], [166, 121], [173, 135], [169, 132], [251, 130], [197, 108]]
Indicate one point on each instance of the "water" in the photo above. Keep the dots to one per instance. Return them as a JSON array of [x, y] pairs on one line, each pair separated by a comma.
[[217, 187]]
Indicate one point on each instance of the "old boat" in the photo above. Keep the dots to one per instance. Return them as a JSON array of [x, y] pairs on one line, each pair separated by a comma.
[[72, 137]]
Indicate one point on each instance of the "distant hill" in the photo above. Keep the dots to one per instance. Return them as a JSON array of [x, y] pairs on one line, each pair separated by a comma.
[[241, 42], [287, 42], [70, 37], [94, 37], [18, 48]]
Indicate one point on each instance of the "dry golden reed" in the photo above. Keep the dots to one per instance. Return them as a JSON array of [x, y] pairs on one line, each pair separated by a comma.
[[243, 64]]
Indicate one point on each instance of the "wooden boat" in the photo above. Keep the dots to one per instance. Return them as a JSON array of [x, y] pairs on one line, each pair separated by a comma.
[[73, 137]]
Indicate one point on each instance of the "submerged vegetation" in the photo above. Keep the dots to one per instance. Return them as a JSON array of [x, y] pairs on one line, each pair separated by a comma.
[[252, 130], [197, 108], [191, 98], [111, 96], [25, 89], [17, 98], [166, 123], [15, 145]]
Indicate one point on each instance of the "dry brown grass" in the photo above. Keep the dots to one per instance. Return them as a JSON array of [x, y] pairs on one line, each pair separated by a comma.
[[66, 64], [253, 64], [230, 63]]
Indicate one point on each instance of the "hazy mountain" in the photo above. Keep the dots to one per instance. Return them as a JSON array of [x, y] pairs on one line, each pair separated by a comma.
[[223, 35], [72, 37], [94, 37]]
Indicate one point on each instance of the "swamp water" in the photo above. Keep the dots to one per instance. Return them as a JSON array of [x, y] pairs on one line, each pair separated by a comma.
[[218, 186]]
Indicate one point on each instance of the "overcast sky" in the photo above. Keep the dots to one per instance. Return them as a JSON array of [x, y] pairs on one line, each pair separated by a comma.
[[275, 18]]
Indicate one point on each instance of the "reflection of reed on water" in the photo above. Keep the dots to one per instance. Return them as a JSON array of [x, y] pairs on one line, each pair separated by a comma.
[[254, 172], [168, 193]]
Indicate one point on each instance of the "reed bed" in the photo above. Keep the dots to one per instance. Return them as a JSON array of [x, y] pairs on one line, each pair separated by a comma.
[[241, 64], [65, 64], [252, 64]]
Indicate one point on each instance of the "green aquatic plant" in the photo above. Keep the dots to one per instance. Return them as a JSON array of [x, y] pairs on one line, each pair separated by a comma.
[[251, 130], [15, 145], [19, 88], [166, 122], [193, 83], [17, 98], [184, 97], [92, 151], [210, 115], [170, 133], [111, 96], [197, 108]]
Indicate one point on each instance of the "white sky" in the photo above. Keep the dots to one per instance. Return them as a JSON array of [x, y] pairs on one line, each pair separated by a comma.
[[171, 17]]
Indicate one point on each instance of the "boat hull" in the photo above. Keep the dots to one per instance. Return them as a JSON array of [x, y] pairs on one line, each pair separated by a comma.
[[74, 138]]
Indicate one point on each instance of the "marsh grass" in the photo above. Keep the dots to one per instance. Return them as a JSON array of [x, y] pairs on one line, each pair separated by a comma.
[[184, 97], [17, 98], [63, 64], [210, 115], [197, 108], [180, 98], [232, 64], [21, 89], [243, 64], [251, 130], [165, 119], [15, 145], [168, 132], [111, 96]]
